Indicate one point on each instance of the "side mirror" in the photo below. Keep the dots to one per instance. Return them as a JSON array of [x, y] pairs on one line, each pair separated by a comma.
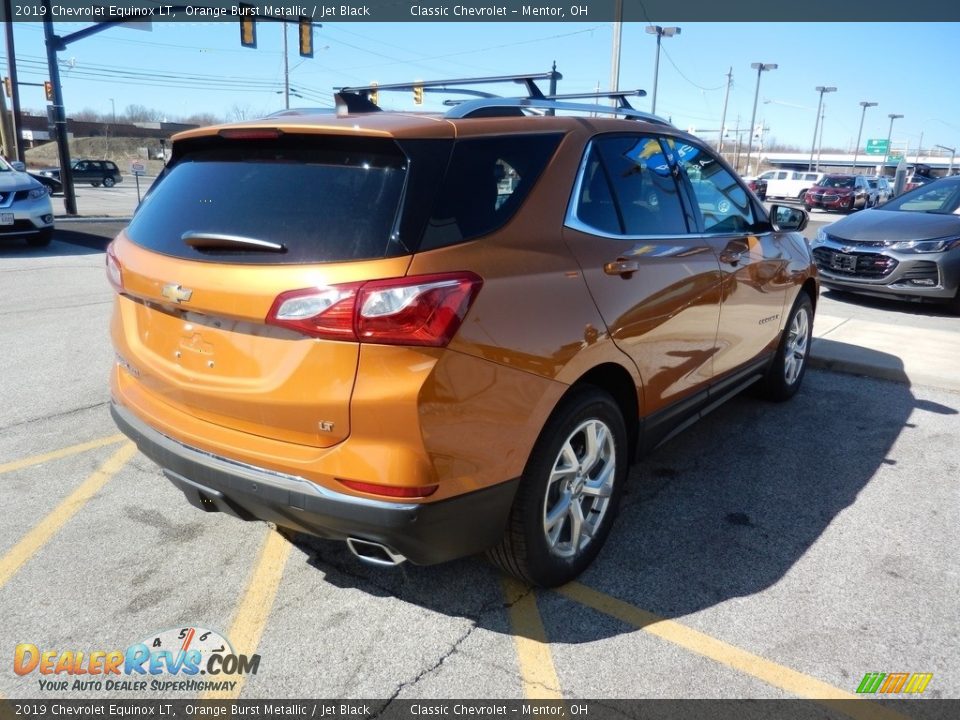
[[785, 218], [18, 166]]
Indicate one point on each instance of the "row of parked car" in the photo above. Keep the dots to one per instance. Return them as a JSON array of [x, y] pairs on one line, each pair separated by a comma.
[[830, 191]]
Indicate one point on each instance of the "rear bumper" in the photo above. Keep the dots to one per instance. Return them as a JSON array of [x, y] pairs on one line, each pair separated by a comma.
[[425, 533]]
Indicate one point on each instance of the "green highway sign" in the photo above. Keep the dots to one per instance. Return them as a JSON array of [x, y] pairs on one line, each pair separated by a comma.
[[877, 147]]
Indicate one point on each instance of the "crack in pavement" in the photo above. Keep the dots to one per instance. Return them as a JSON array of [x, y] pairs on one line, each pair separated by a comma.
[[474, 618], [51, 416]]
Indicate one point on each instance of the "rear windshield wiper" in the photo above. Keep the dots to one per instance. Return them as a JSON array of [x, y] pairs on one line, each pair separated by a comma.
[[216, 241]]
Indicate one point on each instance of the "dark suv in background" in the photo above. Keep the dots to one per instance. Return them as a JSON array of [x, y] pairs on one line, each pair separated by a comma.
[[95, 172]]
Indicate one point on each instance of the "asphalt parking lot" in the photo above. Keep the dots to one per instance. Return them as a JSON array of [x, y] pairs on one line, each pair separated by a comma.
[[771, 551]]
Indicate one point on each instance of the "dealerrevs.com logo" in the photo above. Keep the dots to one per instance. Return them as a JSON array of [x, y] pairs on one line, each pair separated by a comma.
[[185, 654]]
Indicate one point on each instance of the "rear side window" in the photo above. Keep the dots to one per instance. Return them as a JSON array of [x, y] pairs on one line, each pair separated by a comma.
[[646, 194], [321, 199], [486, 182]]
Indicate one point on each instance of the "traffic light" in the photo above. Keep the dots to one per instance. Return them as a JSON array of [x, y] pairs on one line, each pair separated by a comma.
[[306, 37], [8, 87], [248, 28], [48, 90], [418, 95], [374, 95]]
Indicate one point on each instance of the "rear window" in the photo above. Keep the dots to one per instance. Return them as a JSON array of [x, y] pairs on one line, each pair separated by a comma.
[[320, 199]]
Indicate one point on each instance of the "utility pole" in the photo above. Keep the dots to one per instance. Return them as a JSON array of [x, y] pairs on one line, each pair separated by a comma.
[[286, 70], [823, 115], [14, 81], [919, 150], [615, 53], [54, 45], [723, 115], [6, 128], [760, 68], [736, 157]]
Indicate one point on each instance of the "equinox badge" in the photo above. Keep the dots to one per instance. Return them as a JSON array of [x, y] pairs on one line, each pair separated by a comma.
[[174, 292]]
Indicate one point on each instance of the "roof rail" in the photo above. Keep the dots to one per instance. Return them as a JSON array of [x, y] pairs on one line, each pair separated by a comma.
[[619, 95], [515, 106], [357, 99]]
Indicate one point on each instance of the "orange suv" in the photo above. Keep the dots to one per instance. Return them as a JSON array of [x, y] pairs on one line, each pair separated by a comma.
[[431, 335]]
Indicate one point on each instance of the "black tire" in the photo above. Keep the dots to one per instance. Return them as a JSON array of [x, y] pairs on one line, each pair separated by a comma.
[[95, 184], [108, 182], [41, 240], [784, 378], [525, 550], [808, 208], [954, 305]]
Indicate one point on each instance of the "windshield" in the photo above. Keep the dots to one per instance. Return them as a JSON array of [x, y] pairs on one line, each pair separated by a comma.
[[942, 197], [837, 182]]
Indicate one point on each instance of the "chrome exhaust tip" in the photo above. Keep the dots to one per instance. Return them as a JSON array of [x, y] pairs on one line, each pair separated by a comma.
[[374, 553]]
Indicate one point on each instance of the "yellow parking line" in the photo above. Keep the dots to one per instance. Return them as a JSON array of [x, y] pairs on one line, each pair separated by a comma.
[[62, 452], [540, 681], [769, 672], [254, 609], [58, 517]]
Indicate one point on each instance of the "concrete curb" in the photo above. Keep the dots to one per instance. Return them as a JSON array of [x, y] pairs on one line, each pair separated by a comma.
[[99, 219], [895, 353]]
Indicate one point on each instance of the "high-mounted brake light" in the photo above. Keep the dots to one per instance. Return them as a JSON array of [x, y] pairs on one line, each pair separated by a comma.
[[250, 134], [420, 310], [114, 269]]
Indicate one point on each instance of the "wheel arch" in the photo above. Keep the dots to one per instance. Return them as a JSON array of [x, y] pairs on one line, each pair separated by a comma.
[[616, 381]]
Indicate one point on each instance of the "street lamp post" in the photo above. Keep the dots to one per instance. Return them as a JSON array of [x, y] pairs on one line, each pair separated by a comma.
[[953, 154], [760, 68], [856, 150], [615, 51], [886, 156], [816, 122], [660, 32]]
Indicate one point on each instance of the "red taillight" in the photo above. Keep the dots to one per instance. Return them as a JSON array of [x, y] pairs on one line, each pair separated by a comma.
[[419, 310], [114, 270], [390, 490]]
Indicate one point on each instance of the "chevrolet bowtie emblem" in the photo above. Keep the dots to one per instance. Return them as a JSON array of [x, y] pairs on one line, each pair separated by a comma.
[[176, 293]]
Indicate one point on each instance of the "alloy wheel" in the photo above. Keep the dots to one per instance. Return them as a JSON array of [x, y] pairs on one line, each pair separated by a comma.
[[579, 488], [798, 341]]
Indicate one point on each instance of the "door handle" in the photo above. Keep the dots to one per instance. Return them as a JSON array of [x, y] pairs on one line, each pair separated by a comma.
[[621, 266], [731, 257]]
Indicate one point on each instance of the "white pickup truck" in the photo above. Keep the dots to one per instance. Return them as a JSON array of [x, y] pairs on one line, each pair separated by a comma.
[[790, 183]]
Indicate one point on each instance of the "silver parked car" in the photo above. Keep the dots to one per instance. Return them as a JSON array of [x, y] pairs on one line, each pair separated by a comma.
[[910, 247], [25, 208]]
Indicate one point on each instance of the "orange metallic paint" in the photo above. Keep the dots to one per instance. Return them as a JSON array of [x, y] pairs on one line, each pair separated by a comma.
[[467, 416]]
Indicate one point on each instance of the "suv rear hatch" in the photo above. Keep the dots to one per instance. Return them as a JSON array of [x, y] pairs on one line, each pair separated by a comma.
[[238, 224]]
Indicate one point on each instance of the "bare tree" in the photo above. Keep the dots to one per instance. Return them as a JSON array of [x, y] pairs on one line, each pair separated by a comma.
[[202, 118], [141, 113], [244, 112]]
